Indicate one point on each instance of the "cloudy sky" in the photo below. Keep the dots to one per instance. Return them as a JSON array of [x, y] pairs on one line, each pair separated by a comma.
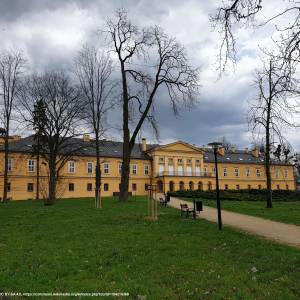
[[50, 32]]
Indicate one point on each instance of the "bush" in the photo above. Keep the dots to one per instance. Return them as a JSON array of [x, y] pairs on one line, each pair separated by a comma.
[[240, 195]]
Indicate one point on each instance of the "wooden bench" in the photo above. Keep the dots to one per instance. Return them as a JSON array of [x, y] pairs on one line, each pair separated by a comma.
[[184, 208]]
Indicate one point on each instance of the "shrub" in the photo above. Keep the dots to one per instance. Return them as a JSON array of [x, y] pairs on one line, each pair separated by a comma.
[[240, 195]]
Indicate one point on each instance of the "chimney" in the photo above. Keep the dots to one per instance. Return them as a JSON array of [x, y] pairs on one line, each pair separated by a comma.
[[255, 153], [144, 144], [221, 151], [86, 137]]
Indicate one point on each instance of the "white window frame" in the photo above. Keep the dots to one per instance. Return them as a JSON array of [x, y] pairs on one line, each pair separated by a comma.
[[31, 165], [71, 166], [225, 173], [286, 173], [134, 169], [258, 173], [236, 172], [106, 168], [189, 170], [120, 168], [277, 174], [9, 165], [90, 166], [146, 169]]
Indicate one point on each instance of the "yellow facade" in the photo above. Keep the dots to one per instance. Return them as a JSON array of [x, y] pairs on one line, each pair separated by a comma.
[[171, 167]]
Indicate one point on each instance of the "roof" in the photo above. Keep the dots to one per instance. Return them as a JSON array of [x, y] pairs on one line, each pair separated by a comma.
[[82, 148], [115, 149], [237, 157]]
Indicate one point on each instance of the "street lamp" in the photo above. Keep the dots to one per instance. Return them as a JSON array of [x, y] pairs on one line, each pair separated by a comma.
[[216, 146]]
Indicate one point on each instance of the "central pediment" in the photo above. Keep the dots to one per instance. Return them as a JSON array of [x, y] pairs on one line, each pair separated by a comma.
[[178, 146]]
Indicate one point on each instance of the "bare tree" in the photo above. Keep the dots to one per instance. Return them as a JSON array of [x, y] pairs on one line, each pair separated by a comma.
[[93, 70], [227, 145], [273, 109], [243, 13], [63, 106], [11, 72], [148, 61]]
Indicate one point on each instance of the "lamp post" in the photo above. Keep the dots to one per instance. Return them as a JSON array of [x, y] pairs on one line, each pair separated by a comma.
[[216, 146]]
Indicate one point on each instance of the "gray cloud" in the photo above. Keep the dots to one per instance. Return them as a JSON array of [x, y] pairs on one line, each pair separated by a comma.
[[51, 32]]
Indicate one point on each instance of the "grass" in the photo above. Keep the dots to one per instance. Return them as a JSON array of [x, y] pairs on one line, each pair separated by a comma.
[[286, 212], [72, 247]]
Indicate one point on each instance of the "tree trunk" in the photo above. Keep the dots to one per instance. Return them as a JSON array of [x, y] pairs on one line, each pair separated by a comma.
[[126, 141], [5, 178], [37, 195], [97, 176], [52, 183], [268, 150]]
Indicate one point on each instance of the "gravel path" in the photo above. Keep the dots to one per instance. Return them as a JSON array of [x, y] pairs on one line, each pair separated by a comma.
[[280, 232]]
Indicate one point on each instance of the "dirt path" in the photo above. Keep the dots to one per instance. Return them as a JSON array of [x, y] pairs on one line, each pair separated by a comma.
[[276, 231]]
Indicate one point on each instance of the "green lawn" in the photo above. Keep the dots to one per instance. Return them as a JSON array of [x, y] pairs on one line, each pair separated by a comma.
[[72, 247], [287, 212]]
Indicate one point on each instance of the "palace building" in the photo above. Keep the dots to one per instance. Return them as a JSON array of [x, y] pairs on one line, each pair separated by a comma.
[[174, 166]]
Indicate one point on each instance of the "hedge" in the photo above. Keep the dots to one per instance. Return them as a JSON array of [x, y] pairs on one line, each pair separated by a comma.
[[240, 195]]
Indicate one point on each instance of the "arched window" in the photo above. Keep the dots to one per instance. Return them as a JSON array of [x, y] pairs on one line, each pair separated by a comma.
[[181, 185], [171, 186], [200, 186], [191, 185], [209, 186], [160, 187]]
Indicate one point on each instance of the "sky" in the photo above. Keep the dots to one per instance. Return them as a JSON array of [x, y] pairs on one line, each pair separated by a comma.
[[50, 33]]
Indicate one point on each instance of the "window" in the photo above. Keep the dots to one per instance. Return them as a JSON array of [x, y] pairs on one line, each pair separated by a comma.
[[259, 186], [170, 161], [146, 169], [277, 173], [71, 167], [287, 187], [237, 186], [71, 187], [29, 187], [189, 171], [205, 171], [258, 172], [106, 168], [8, 187], [225, 172], [120, 168], [180, 170], [188, 161], [146, 186], [214, 171], [134, 187], [9, 165], [249, 186], [236, 172], [31, 165], [197, 161], [90, 167], [179, 161], [89, 187], [161, 159], [226, 186], [134, 169], [106, 187], [248, 172], [198, 172], [278, 187], [286, 173]]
